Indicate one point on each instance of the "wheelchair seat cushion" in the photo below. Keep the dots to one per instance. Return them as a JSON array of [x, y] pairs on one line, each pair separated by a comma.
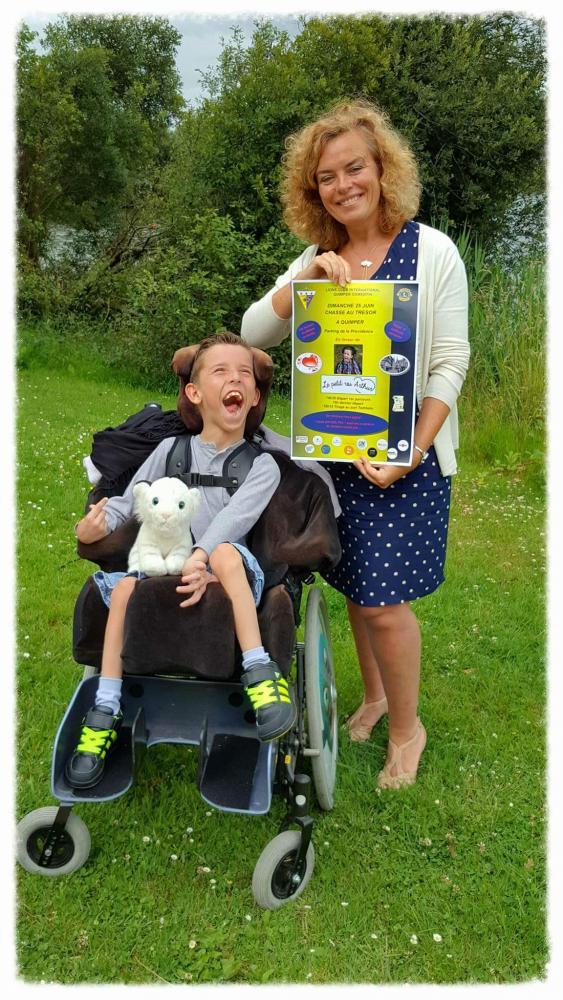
[[162, 638]]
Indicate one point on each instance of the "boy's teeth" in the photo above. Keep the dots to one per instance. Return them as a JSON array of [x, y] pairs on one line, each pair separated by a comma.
[[233, 399]]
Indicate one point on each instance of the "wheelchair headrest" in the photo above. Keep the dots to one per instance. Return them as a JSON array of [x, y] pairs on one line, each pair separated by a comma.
[[263, 373]]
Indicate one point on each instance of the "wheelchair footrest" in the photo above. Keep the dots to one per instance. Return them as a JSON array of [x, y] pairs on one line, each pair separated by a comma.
[[119, 772], [228, 775]]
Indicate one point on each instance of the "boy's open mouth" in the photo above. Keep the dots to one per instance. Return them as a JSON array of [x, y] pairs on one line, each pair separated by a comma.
[[233, 401]]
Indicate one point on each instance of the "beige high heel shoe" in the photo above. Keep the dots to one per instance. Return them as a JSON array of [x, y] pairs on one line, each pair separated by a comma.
[[360, 731], [402, 778]]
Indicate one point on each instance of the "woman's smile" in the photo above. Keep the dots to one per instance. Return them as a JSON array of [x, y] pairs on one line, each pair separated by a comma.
[[348, 179]]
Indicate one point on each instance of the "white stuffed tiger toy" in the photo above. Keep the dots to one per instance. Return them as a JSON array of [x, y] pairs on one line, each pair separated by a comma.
[[165, 509]]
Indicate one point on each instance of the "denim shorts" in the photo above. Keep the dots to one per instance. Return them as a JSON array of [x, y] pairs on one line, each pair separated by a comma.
[[107, 581]]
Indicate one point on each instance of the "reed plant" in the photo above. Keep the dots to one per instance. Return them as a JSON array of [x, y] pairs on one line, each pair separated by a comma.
[[503, 400]]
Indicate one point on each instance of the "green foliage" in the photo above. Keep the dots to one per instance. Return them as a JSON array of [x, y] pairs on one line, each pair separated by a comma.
[[156, 265], [467, 92], [93, 120]]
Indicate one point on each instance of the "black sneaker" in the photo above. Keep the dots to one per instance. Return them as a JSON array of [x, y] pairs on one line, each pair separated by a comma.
[[270, 698], [98, 735]]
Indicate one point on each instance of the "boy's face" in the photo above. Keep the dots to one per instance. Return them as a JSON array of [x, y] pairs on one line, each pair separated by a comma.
[[225, 388], [347, 354]]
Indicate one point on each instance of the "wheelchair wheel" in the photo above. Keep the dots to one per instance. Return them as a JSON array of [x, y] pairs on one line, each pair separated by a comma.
[[272, 883], [71, 853], [320, 698]]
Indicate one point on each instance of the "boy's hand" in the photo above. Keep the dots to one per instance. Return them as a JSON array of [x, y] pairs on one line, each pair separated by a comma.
[[93, 525], [195, 577]]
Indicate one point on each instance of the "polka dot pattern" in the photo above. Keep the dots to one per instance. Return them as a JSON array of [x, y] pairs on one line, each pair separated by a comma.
[[394, 540]]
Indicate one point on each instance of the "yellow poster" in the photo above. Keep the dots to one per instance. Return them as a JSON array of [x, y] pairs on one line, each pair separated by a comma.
[[354, 370]]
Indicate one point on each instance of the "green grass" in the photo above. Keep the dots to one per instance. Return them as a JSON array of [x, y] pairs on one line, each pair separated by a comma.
[[461, 854]]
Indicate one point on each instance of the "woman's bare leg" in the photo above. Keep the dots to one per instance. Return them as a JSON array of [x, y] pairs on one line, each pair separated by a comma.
[[394, 637], [371, 676], [374, 704]]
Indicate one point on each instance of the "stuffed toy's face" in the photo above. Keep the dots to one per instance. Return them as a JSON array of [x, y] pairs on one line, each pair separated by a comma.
[[166, 505]]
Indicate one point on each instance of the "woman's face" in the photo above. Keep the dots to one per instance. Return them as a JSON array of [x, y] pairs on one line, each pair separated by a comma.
[[348, 179]]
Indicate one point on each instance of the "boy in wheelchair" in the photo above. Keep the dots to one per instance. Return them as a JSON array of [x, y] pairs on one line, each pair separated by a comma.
[[223, 388]]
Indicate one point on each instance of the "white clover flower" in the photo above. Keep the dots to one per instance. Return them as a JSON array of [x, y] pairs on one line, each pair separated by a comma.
[[146, 840], [208, 814], [437, 937], [247, 917], [344, 903], [173, 857], [161, 921], [189, 829], [414, 939], [192, 943], [386, 828], [374, 936], [212, 881]]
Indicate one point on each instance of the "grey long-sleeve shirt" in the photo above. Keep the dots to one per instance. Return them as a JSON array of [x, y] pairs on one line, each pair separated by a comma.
[[220, 517]]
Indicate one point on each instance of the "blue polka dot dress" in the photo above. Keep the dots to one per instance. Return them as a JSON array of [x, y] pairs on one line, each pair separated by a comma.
[[393, 540]]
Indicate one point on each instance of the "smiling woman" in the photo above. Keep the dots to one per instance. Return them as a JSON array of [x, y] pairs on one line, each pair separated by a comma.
[[350, 187]]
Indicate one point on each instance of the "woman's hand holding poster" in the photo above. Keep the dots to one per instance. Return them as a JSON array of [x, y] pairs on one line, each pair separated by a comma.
[[354, 370]]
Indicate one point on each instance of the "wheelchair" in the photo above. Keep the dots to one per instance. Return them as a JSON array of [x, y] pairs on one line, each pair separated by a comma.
[[181, 683]]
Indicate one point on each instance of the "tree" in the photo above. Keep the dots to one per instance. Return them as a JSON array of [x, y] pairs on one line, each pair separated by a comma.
[[94, 118], [467, 92]]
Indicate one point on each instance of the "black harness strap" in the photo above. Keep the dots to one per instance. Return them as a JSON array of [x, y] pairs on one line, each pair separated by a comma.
[[235, 468]]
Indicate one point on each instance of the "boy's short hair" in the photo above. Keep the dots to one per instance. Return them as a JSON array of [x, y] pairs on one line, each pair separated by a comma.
[[225, 337]]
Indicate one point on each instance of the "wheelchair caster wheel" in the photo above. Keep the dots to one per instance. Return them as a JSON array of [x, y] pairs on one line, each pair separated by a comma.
[[273, 882], [70, 853]]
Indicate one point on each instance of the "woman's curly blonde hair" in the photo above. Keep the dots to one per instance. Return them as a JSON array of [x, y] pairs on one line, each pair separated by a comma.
[[304, 212]]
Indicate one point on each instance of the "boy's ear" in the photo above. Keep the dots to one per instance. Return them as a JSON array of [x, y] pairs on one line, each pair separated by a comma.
[[192, 393]]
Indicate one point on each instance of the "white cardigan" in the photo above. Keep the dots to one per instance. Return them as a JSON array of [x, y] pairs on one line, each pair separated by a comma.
[[443, 345]]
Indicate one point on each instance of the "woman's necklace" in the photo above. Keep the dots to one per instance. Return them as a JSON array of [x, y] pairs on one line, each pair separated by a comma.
[[366, 262]]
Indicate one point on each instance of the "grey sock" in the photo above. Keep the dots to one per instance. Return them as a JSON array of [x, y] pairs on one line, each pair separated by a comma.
[[109, 693], [256, 655]]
